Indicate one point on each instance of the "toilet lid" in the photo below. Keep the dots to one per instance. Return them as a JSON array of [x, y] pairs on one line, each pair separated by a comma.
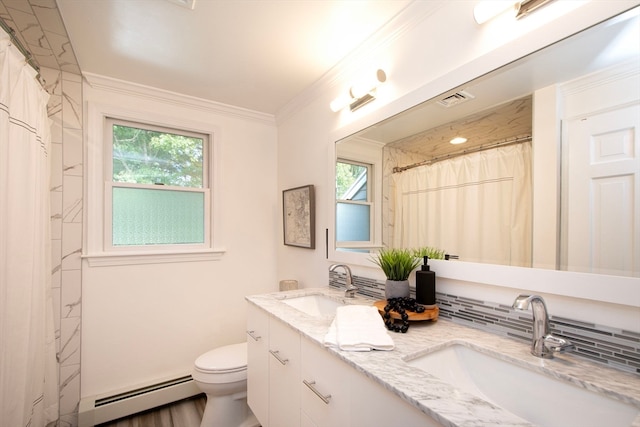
[[230, 358]]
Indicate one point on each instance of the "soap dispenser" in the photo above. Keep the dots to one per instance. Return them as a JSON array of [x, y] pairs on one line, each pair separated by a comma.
[[426, 285]]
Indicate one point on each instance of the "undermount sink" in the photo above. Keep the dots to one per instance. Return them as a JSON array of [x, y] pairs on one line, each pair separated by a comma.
[[531, 395], [314, 305]]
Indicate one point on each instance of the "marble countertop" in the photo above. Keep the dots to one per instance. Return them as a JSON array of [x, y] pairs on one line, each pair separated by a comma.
[[436, 398]]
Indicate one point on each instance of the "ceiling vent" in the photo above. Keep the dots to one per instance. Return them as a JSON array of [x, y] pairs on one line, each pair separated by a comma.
[[455, 99]]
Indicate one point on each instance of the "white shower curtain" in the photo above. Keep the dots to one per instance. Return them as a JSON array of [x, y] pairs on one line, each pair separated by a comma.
[[28, 367], [477, 206]]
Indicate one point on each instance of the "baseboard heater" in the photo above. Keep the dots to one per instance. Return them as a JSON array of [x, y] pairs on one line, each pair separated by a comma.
[[101, 409]]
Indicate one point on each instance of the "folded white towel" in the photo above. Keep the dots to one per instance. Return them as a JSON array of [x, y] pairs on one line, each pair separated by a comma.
[[358, 328]]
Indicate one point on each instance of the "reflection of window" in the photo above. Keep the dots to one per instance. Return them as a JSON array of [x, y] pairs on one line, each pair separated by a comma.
[[353, 204], [157, 187]]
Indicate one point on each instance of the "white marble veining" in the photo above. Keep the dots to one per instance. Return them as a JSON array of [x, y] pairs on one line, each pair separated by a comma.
[[71, 102], [69, 116], [66, 231], [434, 397], [69, 395], [40, 29], [72, 198], [71, 293]]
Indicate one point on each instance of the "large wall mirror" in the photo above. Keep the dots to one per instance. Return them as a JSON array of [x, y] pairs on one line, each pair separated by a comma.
[[514, 193]]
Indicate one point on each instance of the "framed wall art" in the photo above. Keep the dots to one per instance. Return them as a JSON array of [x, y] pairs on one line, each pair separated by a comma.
[[298, 210]]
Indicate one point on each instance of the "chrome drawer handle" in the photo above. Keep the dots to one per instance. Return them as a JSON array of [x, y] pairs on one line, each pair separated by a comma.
[[253, 335], [277, 356], [311, 385]]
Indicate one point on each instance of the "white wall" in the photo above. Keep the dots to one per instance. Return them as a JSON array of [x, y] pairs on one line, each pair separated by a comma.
[[427, 55], [143, 323]]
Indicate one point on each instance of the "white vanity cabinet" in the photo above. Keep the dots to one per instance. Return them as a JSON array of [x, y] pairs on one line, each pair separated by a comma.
[[341, 396], [325, 393], [294, 381], [373, 405], [284, 375], [258, 363]]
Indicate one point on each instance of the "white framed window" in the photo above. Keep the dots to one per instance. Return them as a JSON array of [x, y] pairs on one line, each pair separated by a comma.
[[356, 177], [354, 205], [151, 189], [156, 187]]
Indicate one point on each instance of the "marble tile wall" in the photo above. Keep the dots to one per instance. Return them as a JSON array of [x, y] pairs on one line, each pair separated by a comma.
[[65, 113], [38, 26], [613, 347]]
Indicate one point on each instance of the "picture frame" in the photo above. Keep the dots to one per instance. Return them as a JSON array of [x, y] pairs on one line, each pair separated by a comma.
[[298, 212]]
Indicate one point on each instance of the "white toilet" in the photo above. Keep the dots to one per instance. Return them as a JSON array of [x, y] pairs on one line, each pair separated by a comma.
[[222, 375]]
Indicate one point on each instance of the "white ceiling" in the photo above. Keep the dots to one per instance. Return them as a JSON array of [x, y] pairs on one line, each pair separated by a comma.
[[255, 54]]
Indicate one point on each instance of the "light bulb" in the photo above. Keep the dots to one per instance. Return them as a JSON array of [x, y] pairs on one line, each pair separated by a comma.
[[359, 90], [368, 83], [486, 10], [458, 140], [340, 102]]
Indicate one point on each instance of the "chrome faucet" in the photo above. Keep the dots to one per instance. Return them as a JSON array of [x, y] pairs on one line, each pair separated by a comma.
[[543, 344], [350, 292]]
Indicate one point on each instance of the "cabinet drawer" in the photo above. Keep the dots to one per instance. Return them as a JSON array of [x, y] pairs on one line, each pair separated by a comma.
[[325, 380], [284, 375], [258, 363]]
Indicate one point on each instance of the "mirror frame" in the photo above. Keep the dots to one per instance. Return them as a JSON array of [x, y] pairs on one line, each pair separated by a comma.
[[619, 289]]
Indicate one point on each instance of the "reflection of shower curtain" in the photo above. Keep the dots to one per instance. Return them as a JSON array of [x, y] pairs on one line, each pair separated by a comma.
[[477, 206], [28, 367]]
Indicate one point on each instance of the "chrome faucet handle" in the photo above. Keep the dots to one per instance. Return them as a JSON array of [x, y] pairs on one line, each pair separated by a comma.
[[350, 291], [543, 344], [557, 344]]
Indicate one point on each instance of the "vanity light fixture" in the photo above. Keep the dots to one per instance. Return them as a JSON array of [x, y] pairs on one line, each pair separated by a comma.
[[360, 93], [458, 140], [189, 4], [528, 6], [489, 9]]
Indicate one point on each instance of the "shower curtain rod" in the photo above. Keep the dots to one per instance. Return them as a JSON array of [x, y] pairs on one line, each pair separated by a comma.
[[504, 143], [28, 57]]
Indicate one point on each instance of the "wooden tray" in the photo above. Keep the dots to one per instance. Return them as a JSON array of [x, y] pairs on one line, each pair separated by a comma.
[[430, 314]]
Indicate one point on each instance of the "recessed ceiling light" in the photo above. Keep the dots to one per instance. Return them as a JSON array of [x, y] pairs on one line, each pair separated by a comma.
[[458, 140]]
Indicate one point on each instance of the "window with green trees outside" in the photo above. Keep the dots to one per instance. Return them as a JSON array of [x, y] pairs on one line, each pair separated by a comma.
[[353, 204], [158, 190]]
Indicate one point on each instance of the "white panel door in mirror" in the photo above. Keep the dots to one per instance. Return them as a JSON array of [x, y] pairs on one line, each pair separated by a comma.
[[603, 222]]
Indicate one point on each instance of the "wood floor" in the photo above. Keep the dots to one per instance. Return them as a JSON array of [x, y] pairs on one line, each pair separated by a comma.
[[185, 413]]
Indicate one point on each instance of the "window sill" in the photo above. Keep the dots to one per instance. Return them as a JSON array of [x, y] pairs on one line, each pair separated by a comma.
[[137, 258]]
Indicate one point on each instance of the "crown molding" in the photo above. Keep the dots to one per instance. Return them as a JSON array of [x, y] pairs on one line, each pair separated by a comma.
[[629, 68], [414, 13], [110, 84]]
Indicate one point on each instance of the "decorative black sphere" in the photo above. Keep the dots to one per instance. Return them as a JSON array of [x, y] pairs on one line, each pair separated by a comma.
[[400, 306]]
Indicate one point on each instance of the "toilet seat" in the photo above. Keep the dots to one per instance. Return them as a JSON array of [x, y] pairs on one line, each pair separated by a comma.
[[222, 365], [222, 375]]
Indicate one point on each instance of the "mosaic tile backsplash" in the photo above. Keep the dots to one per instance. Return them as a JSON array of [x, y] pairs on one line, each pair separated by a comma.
[[614, 347]]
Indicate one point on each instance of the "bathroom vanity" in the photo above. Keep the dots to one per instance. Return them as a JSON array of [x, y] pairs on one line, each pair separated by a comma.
[[294, 380]]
